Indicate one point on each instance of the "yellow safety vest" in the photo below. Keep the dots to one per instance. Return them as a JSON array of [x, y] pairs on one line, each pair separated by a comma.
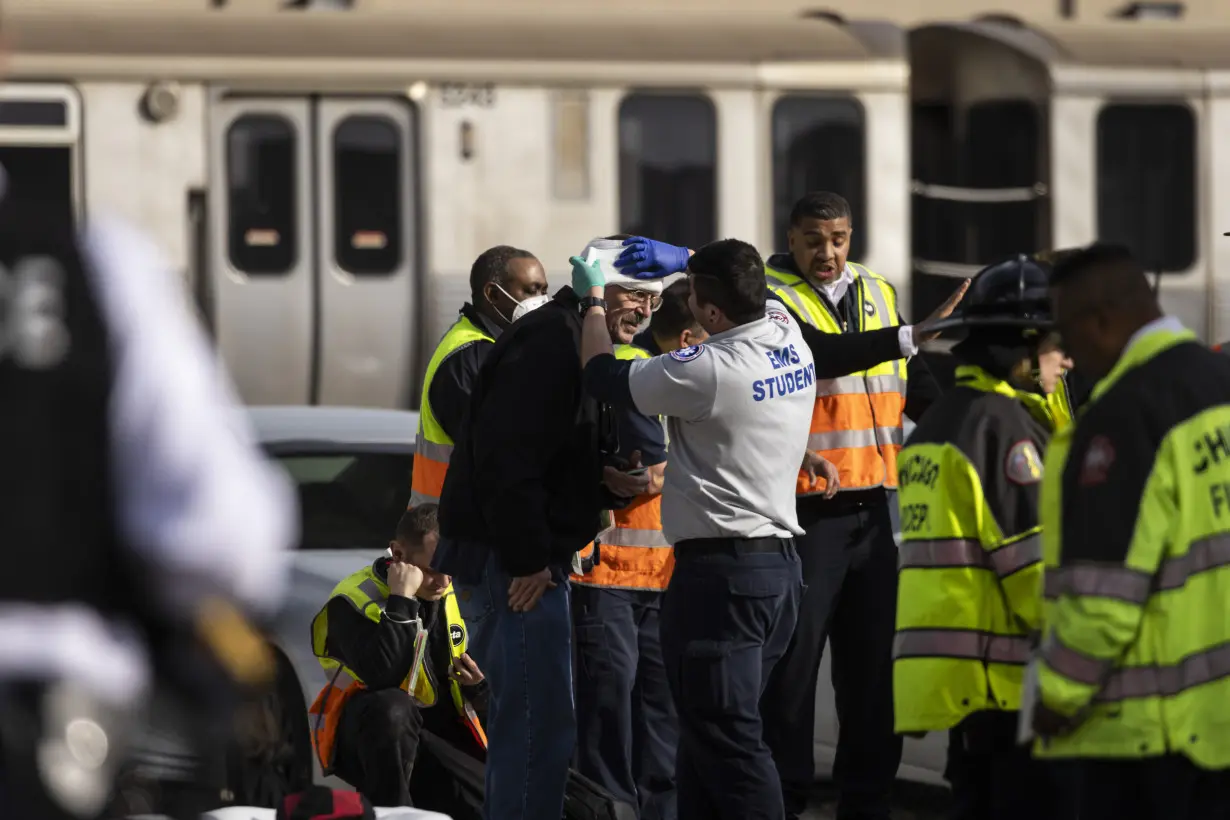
[[967, 594], [433, 447], [1137, 649], [367, 593], [856, 423], [634, 552]]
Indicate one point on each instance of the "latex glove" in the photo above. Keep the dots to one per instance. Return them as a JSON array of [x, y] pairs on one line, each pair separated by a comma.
[[646, 259], [586, 275]]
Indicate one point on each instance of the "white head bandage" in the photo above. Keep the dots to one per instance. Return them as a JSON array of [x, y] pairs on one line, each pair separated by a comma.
[[606, 251]]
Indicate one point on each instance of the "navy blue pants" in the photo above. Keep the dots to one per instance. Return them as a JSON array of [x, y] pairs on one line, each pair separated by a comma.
[[850, 569], [726, 620], [627, 731]]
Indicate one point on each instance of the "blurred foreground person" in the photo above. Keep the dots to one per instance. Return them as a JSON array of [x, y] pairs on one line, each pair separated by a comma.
[[141, 527], [403, 701], [1133, 675], [971, 560]]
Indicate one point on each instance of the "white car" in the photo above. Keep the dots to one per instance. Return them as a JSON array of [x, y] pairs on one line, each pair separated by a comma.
[[352, 470]]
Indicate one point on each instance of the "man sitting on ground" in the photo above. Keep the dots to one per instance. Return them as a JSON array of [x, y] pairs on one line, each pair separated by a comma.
[[402, 695]]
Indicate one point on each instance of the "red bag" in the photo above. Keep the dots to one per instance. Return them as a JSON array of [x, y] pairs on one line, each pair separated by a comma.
[[322, 803]]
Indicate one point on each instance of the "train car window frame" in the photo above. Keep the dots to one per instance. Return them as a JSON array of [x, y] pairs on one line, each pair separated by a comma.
[[380, 259], [784, 197], [53, 143], [1160, 228], [242, 238], [669, 221]]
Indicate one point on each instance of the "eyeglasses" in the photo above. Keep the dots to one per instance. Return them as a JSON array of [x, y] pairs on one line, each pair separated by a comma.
[[643, 298]]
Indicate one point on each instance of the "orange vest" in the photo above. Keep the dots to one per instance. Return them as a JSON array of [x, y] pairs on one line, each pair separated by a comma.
[[632, 552], [367, 593], [856, 423]]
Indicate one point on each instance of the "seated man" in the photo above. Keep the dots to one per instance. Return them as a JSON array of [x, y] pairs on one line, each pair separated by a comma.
[[402, 689]]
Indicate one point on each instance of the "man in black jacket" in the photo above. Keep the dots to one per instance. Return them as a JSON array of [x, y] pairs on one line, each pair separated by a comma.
[[391, 700], [524, 492]]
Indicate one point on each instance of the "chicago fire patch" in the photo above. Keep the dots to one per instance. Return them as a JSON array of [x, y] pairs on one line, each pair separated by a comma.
[[1023, 464]]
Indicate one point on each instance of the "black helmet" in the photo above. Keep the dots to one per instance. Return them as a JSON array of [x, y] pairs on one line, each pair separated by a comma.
[[1010, 294]]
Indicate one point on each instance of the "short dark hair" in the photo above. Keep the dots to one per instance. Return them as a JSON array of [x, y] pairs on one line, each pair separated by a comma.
[[416, 523], [674, 315], [492, 266], [822, 205], [619, 236], [729, 274], [1072, 264]]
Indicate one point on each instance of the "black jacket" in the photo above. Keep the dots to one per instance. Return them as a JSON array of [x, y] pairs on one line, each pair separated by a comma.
[[525, 476], [449, 391], [382, 652]]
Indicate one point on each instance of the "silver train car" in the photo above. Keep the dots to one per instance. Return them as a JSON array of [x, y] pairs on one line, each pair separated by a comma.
[[324, 179]]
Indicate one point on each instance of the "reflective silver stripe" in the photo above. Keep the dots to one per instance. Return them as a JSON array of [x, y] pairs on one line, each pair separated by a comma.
[[432, 450], [960, 643], [628, 537], [1202, 556], [872, 288], [886, 383], [1099, 581], [843, 386], [1071, 664], [785, 292], [417, 498], [952, 552], [890, 435], [1017, 556], [371, 589], [1167, 681]]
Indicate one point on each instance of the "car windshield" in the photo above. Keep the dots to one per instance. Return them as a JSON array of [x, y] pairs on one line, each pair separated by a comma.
[[348, 500]]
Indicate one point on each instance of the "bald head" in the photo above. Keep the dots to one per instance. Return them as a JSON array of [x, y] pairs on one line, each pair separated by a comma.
[[1100, 296]]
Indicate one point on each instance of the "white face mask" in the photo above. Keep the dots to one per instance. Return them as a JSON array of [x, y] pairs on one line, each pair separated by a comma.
[[523, 307]]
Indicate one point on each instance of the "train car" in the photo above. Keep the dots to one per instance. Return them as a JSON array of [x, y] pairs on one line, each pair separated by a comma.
[[1054, 135], [324, 179]]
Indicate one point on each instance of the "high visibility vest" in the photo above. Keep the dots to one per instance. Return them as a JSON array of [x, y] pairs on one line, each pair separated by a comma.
[[1137, 646], [633, 553], [967, 595], [1059, 405], [368, 594], [432, 446], [856, 423]]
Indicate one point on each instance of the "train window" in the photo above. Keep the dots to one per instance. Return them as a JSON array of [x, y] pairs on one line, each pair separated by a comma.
[[668, 168], [818, 145], [42, 174], [367, 195], [262, 194], [1147, 182]]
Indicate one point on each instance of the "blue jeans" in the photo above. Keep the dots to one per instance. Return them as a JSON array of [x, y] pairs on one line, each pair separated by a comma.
[[531, 725]]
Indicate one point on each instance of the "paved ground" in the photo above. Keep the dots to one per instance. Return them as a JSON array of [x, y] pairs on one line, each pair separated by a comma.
[[912, 802]]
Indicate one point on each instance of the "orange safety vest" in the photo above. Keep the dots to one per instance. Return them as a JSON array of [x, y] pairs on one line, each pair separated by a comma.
[[633, 552], [856, 423], [432, 447], [368, 593]]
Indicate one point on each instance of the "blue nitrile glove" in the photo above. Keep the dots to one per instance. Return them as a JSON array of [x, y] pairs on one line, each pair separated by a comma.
[[648, 259], [586, 275]]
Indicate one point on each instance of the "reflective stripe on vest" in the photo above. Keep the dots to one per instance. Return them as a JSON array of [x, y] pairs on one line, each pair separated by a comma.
[[856, 423], [633, 552], [367, 593], [432, 446], [967, 592]]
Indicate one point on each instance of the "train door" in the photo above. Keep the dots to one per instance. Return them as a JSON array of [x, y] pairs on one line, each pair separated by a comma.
[[40, 146], [314, 249]]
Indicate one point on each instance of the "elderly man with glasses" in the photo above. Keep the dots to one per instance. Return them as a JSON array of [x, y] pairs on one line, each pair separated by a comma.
[[532, 470]]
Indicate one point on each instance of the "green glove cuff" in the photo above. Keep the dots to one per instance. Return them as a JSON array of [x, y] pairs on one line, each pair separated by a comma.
[[586, 275]]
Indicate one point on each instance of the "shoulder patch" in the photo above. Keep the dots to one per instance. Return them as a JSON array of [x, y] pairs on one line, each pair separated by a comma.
[[456, 635], [687, 354], [1023, 464], [778, 315], [1098, 459]]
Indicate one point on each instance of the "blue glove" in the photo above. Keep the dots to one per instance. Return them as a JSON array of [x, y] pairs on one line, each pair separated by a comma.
[[646, 259], [586, 275]]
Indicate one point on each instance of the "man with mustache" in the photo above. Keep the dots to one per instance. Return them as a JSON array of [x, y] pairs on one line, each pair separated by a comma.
[[532, 470]]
